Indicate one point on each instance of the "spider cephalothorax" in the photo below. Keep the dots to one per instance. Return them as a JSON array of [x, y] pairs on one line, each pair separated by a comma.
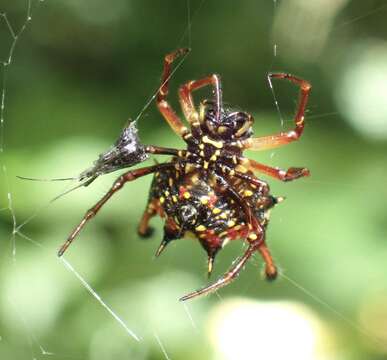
[[225, 124], [209, 190]]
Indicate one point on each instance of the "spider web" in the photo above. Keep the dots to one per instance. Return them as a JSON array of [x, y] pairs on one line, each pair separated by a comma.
[[190, 312]]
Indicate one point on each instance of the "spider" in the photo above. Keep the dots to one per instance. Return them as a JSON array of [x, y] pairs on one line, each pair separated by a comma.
[[209, 190]]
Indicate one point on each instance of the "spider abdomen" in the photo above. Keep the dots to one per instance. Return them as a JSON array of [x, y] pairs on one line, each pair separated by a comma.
[[194, 203]]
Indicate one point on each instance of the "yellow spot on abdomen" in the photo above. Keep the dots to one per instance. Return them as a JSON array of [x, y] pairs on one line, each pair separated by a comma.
[[200, 228], [231, 223], [253, 236], [186, 195], [247, 193]]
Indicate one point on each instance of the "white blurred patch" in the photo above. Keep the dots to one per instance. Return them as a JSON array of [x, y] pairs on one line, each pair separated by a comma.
[[362, 89], [248, 329]]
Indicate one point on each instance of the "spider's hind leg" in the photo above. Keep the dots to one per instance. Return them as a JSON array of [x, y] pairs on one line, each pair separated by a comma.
[[229, 276], [271, 272], [144, 230]]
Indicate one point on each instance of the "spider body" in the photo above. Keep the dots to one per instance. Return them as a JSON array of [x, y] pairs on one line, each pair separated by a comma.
[[193, 203], [209, 189]]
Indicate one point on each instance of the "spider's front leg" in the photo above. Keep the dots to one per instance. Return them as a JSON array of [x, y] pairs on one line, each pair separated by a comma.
[[283, 138], [118, 184], [162, 104], [186, 99]]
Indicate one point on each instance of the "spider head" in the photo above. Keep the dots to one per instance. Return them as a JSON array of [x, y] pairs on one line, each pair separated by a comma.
[[228, 125]]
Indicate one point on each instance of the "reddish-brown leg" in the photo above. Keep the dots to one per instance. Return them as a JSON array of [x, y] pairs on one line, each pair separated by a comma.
[[229, 275], [164, 107], [261, 186], [144, 230], [158, 150], [283, 138], [118, 184], [270, 268], [292, 173], [186, 100], [256, 242], [250, 219]]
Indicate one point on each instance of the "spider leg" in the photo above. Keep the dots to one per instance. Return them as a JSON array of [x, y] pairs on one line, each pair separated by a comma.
[[144, 230], [186, 100], [283, 138], [158, 150], [261, 186], [229, 276], [118, 184], [270, 268], [292, 173], [239, 200], [163, 106]]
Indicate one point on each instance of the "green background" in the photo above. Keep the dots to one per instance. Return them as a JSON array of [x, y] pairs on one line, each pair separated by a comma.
[[82, 68]]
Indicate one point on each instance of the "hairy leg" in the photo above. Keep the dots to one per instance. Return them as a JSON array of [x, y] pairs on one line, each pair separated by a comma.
[[118, 184], [166, 110], [292, 173], [283, 138], [186, 99], [229, 276], [143, 229]]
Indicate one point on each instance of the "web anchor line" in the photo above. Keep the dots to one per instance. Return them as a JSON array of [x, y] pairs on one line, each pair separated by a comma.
[[98, 298], [15, 35]]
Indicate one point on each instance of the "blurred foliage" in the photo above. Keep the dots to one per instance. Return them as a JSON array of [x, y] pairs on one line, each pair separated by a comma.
[[82, 68]]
